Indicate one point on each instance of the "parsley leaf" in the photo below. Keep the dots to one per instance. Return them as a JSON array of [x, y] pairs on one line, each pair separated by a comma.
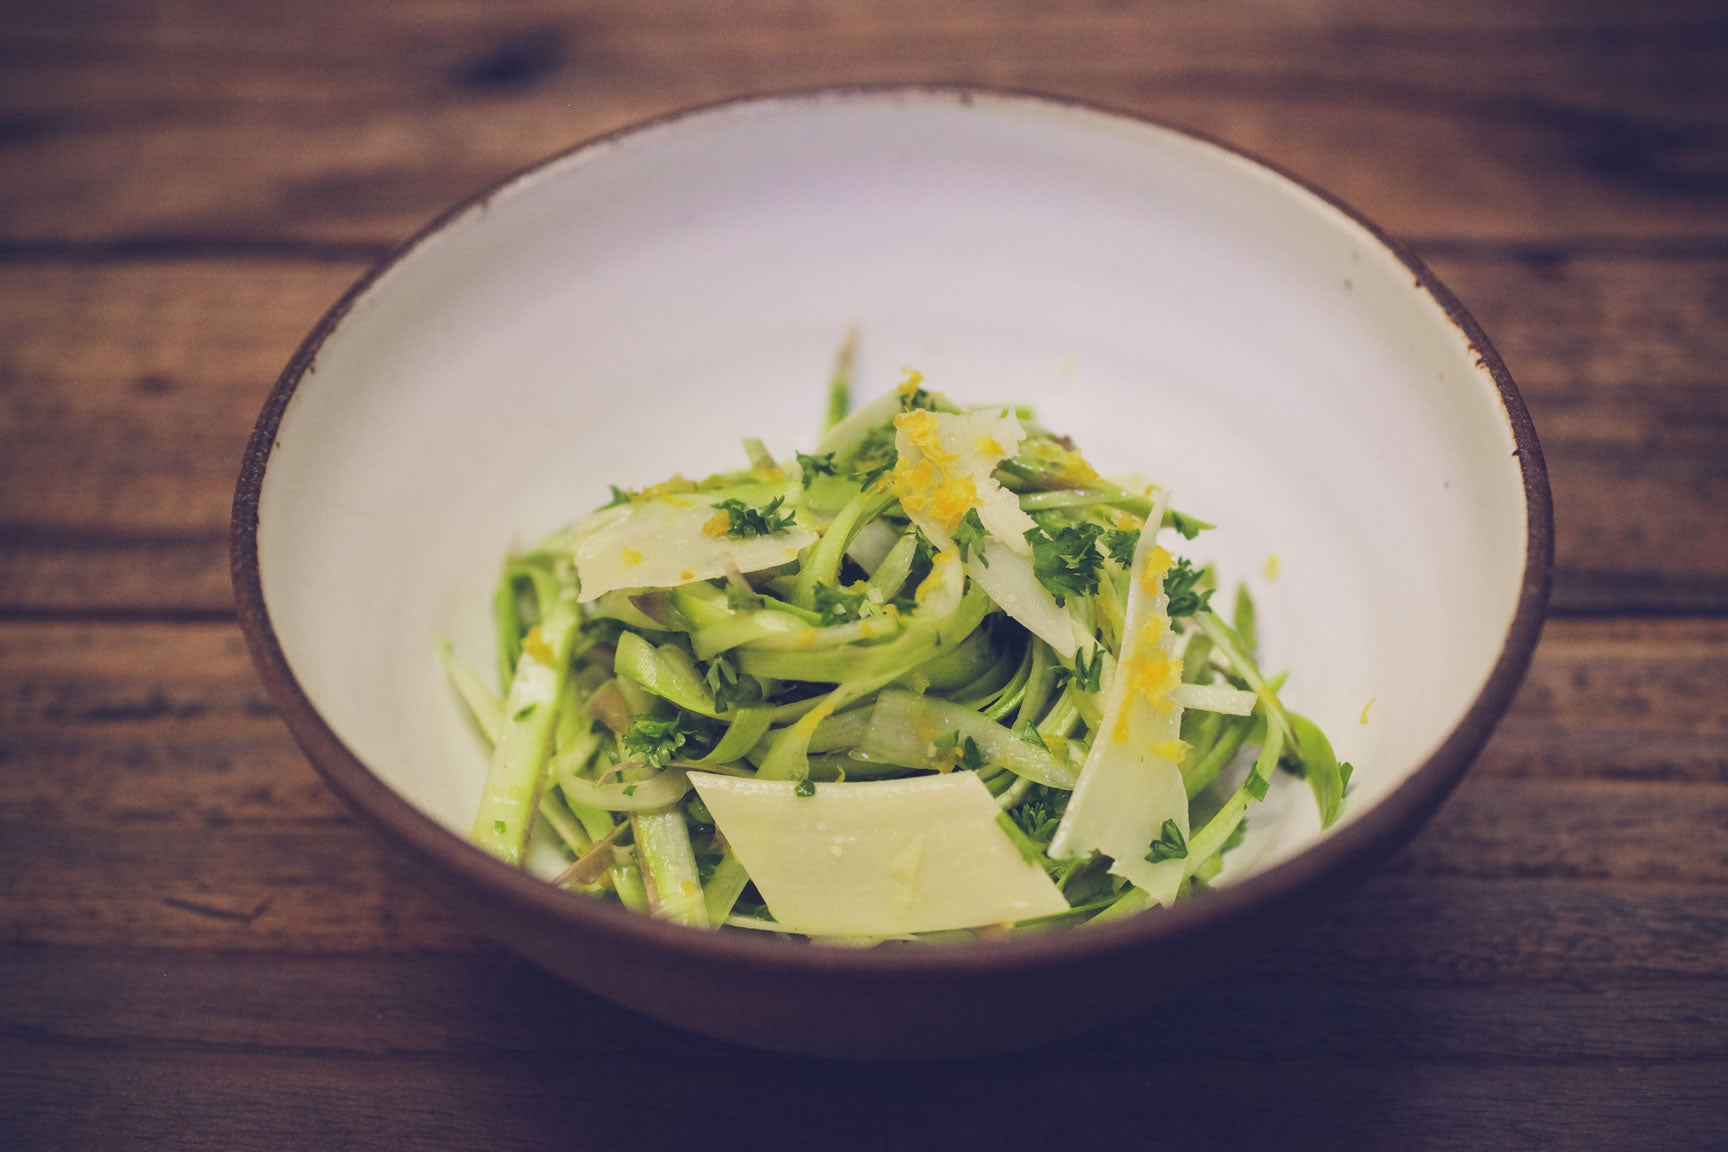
[[1179, 585], [1187, 525], [1089, 675], [1170, 845], [876, 455], [1040, 812], [971, 759], [814, 466], [657, 740], [912, 394], [837, 606], [1067, 561], [1121, 543], [730, 690], [805, 788], [746, 521], [619, 496], [970, 535], [706, 862]]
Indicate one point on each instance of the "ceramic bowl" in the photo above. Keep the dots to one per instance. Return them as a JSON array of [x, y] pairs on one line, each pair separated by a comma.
[[636, 306]]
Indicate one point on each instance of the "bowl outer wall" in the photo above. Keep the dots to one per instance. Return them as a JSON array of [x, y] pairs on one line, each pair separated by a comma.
[[892, 1001]]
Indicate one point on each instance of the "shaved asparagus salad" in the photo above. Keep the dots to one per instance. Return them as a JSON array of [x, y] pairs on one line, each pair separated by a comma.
[[935, 679]]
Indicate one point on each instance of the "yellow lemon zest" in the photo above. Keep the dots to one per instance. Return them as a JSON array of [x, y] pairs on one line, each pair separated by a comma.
[[950, 503], [663, 489], [1172, 750], [535, 645], [1365, 708], [631, 557], [1075, 468], [1158, 562], [1127, 522], [718, 525], [914, 381], [1272, 566], [686, 576]]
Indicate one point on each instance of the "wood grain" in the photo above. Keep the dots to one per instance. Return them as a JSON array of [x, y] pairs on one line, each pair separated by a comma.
[[359, 122], [118, 450]]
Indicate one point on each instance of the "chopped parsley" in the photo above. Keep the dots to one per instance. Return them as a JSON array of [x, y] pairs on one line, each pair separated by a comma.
[[1179, 585], [1040, 812], [1170, 845], [706, 862], [1120, 543], [1067, 561], [805, 788], [837, 606], [1188, 526], [619, 496], [730, 689], [745, 521], [970, 535], [525, 711], [1089, 674], [876, 455], [657, 740], [814, 466]]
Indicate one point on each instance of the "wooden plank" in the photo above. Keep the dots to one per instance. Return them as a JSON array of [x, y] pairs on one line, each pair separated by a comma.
[[148, 795], [127, 392], [1618, 700], [490, 1005], [351, 123], [80, 1097], [127, 396], [1631, 405]]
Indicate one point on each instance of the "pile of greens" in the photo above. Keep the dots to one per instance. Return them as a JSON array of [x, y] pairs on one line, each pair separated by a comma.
[[934, 679]]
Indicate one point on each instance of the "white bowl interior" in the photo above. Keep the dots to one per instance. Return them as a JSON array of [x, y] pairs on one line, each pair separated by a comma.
[[637, 307]]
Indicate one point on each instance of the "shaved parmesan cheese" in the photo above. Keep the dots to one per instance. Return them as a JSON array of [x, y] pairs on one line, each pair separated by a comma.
[[945, 471], [1013, 584], [1131, 784], [878, 858], [662, 544]]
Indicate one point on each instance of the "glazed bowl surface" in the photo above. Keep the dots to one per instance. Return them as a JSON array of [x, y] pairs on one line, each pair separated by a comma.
[[637, 306]]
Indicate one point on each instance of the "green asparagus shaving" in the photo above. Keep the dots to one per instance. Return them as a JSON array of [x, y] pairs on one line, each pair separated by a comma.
[[1320, 766], [1242, 621]]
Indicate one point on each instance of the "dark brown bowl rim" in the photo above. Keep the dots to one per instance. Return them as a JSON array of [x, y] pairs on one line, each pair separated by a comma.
[[1353, 846]]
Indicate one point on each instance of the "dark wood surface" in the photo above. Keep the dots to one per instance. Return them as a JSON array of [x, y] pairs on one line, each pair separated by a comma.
[[200, 949]]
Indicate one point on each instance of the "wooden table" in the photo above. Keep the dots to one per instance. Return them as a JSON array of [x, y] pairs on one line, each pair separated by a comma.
[[199, 947]]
